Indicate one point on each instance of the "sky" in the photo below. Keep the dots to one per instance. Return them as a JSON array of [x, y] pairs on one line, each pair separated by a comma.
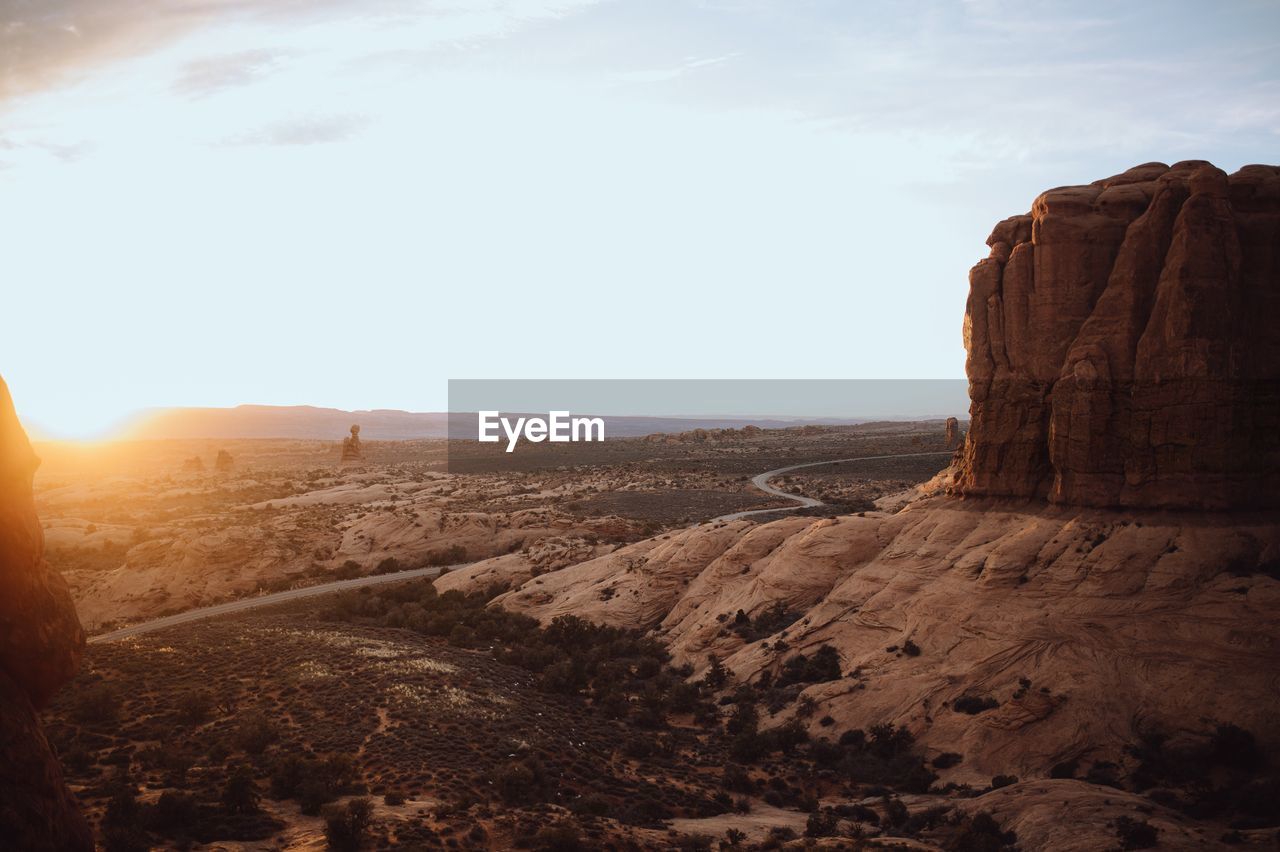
[[348, 202]]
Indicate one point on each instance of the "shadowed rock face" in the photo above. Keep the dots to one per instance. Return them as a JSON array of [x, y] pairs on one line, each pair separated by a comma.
[[1122, 346], [40, 646]]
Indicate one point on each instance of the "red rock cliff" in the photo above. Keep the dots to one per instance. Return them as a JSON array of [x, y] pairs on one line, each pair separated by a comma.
[[40, 646], [1123, 347]]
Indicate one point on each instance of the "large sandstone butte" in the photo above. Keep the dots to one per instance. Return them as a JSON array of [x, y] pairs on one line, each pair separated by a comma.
[[1122, 344], [40, 647]]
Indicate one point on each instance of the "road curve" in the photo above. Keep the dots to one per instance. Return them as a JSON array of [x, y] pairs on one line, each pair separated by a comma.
[[761, 481], [264, 600]]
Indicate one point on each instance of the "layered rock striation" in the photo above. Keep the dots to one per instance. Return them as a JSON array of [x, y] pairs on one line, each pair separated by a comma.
[[1122, 348], [40, 647]]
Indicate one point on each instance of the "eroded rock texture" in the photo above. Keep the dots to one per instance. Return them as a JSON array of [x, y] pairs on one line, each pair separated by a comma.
[[1123, 347], [40, 647]]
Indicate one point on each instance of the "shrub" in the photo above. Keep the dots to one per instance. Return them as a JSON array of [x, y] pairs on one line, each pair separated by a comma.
[[561, 837], [717, 675], [122, 822], [195, 707], [345, 827], [974, 704], [240, 794], [255, 733], [823, 666], [97, 704], [981, 833], [1135, 834], [821, 824]]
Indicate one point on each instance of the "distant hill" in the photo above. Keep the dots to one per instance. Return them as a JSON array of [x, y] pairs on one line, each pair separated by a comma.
[[311, 422], [286, 421]]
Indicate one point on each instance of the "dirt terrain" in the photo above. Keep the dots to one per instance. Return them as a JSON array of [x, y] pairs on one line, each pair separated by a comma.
[[144, 529]]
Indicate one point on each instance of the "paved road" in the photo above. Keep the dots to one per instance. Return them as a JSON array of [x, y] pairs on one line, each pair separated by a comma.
[[762, 482], [263, 600]]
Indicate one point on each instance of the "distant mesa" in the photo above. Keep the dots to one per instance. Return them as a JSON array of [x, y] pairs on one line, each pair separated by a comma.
[[299, 422], [1122, 348], [224, 462], [352, 452], [193, 465]]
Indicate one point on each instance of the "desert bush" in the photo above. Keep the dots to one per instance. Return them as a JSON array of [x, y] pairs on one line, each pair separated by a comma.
[[98, 704], [240, 794], [767, 623], [823, 666], [345, 827], [1135, 834], [981, 833], [974, 704], [562, 836], [195, 707], [822, 824], [174, 814], [255, 733], [348, 570], [122, 829]]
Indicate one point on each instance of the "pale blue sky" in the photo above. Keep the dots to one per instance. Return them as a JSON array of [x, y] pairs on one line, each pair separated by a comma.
[[347, 202]]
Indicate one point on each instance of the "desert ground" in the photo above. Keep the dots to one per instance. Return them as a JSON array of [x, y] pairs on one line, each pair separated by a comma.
[[463, 724]]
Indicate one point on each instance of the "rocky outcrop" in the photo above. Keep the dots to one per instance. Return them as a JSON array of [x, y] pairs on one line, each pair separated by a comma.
[[1083, 626], [224, 462], [1121, 365], [1122, 348], [40, 647], [951, 433], [351, 450]]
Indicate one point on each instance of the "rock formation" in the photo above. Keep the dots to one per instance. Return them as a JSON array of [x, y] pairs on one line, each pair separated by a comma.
[[1065, 589], [351, 450], [952, 432], [223, 463], [193, 465], [40, 646], [1122, 348]]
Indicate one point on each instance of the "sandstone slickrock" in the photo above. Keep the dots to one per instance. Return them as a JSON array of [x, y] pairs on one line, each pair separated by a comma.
[[40, 647], [1122, 348]]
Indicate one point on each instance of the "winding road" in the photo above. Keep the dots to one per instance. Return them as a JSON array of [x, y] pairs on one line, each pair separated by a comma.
[[761, 482], [264, 600]]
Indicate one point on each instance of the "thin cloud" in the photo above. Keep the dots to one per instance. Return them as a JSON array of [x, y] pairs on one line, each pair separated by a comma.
[[213, 74], [47, 42], [310, 130]]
